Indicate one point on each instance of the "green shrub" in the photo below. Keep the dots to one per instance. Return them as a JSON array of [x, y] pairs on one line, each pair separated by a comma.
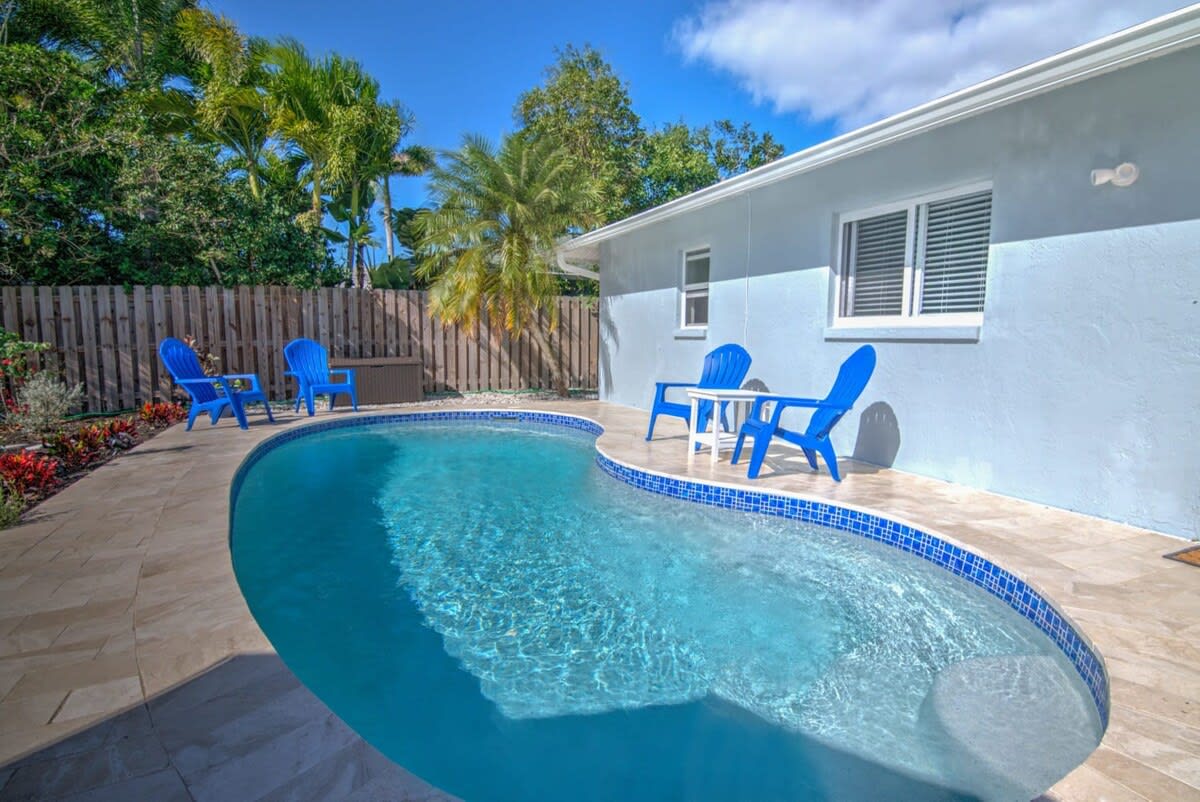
[[42, 402], [11, 507]]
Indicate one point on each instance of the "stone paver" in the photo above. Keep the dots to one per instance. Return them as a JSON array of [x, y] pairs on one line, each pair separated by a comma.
[[131, 668]]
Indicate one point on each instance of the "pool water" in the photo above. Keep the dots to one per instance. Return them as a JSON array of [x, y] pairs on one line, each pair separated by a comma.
[[490, 610]]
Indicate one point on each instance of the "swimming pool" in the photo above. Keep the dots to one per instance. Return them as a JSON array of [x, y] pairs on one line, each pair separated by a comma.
[[491, 610]]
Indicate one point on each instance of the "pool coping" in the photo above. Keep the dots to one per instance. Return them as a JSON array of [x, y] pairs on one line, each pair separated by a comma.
[[1018, 593]]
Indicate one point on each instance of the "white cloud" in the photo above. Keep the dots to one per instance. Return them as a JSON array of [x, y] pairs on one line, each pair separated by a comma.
[[856, 61]]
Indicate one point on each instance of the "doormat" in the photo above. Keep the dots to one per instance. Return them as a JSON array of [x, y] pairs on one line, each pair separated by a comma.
[[1190, 555]]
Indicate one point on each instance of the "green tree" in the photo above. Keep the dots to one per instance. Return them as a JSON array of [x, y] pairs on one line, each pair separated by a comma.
[[89, 195], [399, 271], [674, 163], [60, 152], [677, 160], [489, 240], [136, 42], [329, 110], [735, 149], [364, 134], [183, 221], [301, 93], [585, 107], [408, 162], [228, 103]]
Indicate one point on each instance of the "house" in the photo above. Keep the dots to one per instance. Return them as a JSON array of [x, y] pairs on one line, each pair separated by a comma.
[[1036, 310]]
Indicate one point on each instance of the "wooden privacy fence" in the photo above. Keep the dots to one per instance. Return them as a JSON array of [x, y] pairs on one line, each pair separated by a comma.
[[106, 338]]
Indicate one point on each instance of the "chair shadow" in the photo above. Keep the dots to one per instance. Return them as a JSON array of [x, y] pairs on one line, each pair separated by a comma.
[[145, 450], [878, 440], [793, 463]]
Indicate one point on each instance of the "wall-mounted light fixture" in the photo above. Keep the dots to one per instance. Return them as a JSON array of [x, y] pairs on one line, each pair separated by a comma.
[[1120, 176]]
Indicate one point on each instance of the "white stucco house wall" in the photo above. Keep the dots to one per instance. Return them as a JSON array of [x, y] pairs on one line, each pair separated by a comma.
[[1038, 334]]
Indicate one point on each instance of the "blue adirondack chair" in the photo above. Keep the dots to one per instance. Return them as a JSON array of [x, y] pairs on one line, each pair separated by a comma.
[[724, 369], [852, 378], [211, 394], [309, 363]]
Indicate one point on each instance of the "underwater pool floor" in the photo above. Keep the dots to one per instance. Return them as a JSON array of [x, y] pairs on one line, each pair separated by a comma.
[[130, 665]]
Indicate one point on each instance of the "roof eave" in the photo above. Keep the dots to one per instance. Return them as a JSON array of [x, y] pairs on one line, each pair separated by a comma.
[[1156, 37]]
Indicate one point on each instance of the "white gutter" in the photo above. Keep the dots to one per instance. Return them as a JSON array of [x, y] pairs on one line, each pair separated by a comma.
[[1157, 37], [589, 256]]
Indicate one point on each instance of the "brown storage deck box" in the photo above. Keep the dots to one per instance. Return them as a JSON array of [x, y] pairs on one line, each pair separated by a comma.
[[384, 379]]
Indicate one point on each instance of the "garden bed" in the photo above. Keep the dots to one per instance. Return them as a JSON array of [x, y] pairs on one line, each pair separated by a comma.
[[31, 472]]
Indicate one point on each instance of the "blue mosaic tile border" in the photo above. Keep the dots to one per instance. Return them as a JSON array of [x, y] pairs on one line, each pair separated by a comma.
[[1010, 589]]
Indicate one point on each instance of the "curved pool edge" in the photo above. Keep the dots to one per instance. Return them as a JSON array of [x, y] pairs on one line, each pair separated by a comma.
[[942, 550]]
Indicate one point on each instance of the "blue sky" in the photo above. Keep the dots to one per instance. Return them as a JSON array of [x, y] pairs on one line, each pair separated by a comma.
[[459, 66], [802, 69]]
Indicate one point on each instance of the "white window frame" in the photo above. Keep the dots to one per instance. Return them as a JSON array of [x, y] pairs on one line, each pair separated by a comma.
[[914, 245], [696, 290]]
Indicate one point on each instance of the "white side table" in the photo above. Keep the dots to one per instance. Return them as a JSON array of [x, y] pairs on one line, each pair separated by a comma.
[[717, 439]]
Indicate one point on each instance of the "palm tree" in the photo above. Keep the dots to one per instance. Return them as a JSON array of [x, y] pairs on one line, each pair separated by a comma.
[[301, 93], [489, 243], [329, 110], [364, 133], [134, 41], [412, 161], [231, 106]]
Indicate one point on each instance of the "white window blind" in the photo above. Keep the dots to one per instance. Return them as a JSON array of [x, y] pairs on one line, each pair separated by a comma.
[[876, 264], [694, 296], [926, 259], [954, 268]]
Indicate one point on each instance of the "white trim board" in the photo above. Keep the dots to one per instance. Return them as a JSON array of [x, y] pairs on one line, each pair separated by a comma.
[[1157, 37]]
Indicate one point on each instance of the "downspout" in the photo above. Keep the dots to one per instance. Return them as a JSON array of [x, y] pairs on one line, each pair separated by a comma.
[[572, 269]]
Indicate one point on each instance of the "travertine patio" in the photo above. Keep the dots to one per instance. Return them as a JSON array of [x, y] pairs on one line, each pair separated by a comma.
[[130, 667]]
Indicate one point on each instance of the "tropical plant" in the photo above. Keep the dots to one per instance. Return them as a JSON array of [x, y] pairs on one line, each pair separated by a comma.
[[14, 356], [399, 272], [150, 141], [228, 105], [59, 156], [162, 414], [26, 472], [411, 161], [210, 363], [77, 449], [303, 92], [41, 403], [119, 433], [489, 242], [89, 195], [585, 106], [15, 369], [11, 506], [136, 42], [86, 445]]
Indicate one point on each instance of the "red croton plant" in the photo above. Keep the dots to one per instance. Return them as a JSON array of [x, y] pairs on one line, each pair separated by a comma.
[[88, 445], [27, 473], [163, 414]]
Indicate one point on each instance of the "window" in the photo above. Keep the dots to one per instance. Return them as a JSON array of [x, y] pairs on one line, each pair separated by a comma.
[[693, 312], [920, 262]]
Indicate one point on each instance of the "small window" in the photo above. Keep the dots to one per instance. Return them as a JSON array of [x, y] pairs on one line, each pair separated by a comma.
[[922, 262], [694, 296]]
